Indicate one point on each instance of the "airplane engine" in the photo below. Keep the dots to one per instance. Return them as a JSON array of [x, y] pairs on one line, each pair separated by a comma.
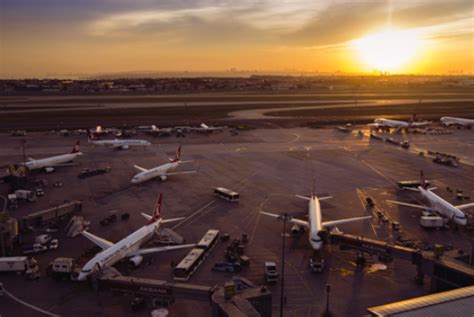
[[136, 260], [163, 177], [125, 147], [295, 230]]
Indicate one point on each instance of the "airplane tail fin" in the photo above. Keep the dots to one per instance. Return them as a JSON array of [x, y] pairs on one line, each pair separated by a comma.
[[157, 211], [77, 147], [177, 156], [423, 180]]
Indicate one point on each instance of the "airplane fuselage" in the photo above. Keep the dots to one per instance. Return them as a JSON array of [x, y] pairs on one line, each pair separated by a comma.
[[120, 143], [315, 226], [447, 121], [392, 123], [397, 124], [119, 250], [51, 161], [443, 207], [159, 171]]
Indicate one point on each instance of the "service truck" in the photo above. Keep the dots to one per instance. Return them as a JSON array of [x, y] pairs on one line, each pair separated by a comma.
[[432, 221], [271, 273], [20, 264], [27, 195], [64, 269], [316, 263], [35, 248]]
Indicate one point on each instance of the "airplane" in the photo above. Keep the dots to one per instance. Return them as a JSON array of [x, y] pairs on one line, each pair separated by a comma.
[[448, 121], [100, 131], [437, 204], [155, 131], [116, 143], [162, 171], [130, 246], [54, 161], [398, 125], [204, 128], [317, 228]]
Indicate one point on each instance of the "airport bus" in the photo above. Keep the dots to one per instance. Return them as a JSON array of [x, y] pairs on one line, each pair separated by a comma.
[[226, 194], [188, 265], [209, 241]]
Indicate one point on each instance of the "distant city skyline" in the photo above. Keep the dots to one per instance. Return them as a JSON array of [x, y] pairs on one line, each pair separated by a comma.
[[100, 37]]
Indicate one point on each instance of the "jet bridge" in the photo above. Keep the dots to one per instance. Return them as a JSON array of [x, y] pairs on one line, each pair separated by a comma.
[[445, 270]]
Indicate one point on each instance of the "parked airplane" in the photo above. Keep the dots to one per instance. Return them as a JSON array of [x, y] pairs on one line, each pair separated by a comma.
[[116, 143], [206, 129], [315, 224], [398, 125], [54, 161], [128, 247], [162, 171], [437, 204], [100, 131], [155, 131], [447, 121]]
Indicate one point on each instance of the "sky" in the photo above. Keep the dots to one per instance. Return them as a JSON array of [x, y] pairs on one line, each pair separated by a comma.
[[39, 38]]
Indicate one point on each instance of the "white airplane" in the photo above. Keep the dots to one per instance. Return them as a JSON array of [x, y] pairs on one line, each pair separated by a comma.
[[100, 131], [128, 247], [155, 131], [315, 224], [437, 204], [205, 128], [54, 161], [116, 143], [162, 171], [398, 124], [447, 121]]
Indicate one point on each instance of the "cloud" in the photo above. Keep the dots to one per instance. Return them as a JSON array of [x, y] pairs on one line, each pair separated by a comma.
[[342, 21]]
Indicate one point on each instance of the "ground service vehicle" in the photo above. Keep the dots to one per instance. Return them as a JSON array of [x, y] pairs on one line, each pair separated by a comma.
[[35, 248], [432, 221], [26, 195], [188, 265], [226, 194], [209, 240], [271, 274], [63, 269], [20, 264], [316, 263]]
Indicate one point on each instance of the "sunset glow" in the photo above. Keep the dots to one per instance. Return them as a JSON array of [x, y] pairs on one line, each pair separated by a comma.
[[388, 50], [48, 38]]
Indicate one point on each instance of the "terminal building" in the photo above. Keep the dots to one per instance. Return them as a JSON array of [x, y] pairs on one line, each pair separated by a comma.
[[458, 302]]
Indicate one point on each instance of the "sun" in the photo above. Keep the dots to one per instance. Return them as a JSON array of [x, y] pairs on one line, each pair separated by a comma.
[[388, 50]]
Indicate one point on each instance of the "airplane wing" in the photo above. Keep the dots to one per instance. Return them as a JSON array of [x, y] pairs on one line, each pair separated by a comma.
[[141, 169], [176, 173], [104, 244], [303, 197], [407, 204], [342, 221], [160, 249], [30, 159], [465, 206], [292, 220], [324, 198], [319, 198]]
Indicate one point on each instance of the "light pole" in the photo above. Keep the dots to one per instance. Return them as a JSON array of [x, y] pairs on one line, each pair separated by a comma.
[[328, 290], [285, 217]]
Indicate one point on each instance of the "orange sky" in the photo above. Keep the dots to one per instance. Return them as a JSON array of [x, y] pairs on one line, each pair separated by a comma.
[[40, 38]]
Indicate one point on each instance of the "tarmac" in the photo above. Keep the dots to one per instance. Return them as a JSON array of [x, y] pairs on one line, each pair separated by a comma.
[[268, 167]]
